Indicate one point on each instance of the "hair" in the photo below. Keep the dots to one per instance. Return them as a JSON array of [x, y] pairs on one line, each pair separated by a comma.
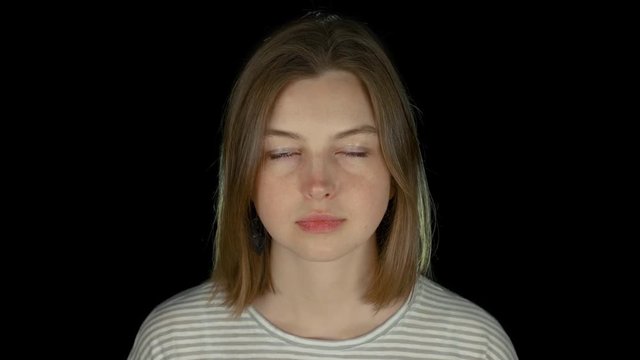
[[304, 48]]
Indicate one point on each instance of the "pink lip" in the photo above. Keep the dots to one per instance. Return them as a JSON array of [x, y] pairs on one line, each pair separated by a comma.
[[320, 217], [318, 223]]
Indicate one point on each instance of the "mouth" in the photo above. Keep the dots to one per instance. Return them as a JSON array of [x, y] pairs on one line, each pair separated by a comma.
[[320, 226]]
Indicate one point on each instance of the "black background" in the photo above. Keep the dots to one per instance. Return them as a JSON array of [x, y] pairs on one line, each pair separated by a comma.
[[146, 87]]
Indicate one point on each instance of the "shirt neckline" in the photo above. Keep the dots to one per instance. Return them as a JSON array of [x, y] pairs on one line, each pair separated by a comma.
[[334, 344]]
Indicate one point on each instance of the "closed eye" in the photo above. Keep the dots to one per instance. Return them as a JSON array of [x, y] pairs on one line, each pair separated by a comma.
[[356, 154], [281, 155], [290, 154]]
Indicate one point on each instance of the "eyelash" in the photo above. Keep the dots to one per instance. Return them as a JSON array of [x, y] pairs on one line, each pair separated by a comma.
[[289, 154]]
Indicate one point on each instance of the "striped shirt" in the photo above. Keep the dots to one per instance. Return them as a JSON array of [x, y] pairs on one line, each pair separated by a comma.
[[434, 323]]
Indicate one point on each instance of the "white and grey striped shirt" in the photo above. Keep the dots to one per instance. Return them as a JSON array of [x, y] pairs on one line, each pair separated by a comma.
[[434, 323]]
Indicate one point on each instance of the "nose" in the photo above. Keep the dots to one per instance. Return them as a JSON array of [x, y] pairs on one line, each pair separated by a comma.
[[318, 179]]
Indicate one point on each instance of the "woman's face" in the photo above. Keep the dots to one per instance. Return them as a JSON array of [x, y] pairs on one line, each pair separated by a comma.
[[314, 170]]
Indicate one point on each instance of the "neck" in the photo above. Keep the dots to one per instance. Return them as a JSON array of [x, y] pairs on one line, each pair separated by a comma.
[[321, 298], [323, 288]]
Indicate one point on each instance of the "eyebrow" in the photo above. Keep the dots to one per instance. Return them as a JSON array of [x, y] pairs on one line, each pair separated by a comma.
[[365, 129]]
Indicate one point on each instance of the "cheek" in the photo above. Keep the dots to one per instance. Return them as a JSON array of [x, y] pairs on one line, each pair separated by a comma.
[[271, 195], [377, 190], [378, 177]]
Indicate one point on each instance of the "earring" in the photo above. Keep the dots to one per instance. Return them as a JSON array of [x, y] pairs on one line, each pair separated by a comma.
[[258, 234]]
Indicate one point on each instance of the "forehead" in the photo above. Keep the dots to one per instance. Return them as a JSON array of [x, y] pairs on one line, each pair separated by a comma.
[[334, 99]]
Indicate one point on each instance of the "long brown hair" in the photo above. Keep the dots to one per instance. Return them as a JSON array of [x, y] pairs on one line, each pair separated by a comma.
[[305, 48]]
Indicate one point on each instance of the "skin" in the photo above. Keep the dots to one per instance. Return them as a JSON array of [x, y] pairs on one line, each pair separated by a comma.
[[321, 278]]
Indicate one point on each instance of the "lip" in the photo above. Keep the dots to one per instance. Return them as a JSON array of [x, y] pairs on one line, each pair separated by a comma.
[[320, 217], [320, 223]]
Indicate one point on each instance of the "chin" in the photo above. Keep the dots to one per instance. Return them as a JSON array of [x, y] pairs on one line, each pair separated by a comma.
[[324, 252]]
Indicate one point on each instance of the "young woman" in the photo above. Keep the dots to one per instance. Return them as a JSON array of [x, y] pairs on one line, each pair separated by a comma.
[[323, 219]]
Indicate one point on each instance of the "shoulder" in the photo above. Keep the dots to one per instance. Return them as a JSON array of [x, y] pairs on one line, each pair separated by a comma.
[[454, 317], [183, 313]]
